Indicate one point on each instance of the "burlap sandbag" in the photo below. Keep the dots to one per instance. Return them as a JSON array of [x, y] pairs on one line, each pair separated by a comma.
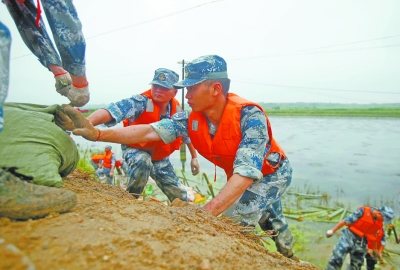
[[32, 142]]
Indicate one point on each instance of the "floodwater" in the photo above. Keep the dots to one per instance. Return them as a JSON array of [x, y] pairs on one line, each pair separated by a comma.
[[356, 159]]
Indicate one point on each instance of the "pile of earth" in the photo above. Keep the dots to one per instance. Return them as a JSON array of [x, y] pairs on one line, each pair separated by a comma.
[[109, 229]]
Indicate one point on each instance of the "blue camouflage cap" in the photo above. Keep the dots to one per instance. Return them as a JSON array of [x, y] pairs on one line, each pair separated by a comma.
[[165, 78], [208, 67], [387, 214], [108, 146]]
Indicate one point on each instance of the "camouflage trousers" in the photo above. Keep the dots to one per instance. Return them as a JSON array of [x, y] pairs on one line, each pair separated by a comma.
[[261, 203], [5, 43], [349, 243], [66, 29], [140, 167]]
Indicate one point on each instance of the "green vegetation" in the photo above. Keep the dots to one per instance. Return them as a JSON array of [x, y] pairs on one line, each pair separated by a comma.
[[337, 112]]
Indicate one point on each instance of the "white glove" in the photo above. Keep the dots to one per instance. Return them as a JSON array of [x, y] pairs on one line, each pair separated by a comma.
[[63, 83], [79, 96], [329, 233], [194, 164]]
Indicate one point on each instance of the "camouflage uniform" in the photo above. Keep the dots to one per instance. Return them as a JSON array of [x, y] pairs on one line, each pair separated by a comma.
[[139, 163], [349, 243], [263, 196], [5, 43], [65, 26]]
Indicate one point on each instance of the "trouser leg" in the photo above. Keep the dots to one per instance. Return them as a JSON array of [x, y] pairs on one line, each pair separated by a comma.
[[273, 219], [370, 262], [67, 33], [5, 43], [261, 195], [36, 39], [138, 167], [166, 179]]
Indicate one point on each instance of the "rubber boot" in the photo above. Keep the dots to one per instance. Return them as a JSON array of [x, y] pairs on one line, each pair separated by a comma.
[[22, 200]]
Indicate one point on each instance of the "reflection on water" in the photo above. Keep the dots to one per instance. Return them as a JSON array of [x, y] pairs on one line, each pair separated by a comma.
[[353, 158]]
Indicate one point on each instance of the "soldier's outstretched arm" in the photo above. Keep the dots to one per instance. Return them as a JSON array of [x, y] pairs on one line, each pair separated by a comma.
[[125, 135]]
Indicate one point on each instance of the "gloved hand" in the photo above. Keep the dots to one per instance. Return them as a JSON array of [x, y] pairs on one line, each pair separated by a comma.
[[63, 83], [194, 164], [83, 127], [179, 203], [63, 121], [329, 233], [79, 96]]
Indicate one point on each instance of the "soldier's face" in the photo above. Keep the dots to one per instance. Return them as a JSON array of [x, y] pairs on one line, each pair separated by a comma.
[[161, 94], [377, 215]]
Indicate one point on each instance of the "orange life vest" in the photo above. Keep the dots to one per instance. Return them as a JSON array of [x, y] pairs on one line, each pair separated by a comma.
[[379, 236], [157, 150], [107, 159], [367, 226], [97, 158], [221, 150]]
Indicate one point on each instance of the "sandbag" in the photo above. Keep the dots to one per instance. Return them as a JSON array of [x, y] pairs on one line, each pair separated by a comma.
[[32, 142]]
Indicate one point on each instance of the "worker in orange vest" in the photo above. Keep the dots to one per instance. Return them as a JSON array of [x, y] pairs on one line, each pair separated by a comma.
[[375, 248], [95, 160], [150, 158], [107, 165], [120, 166], [363, 226]]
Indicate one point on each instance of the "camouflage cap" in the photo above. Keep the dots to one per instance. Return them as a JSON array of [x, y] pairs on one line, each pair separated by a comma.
[[165, 78], [203, 68], [387, 214], [108, 146]]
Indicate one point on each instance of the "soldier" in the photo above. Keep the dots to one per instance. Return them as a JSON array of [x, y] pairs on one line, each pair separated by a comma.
[[232, 133]]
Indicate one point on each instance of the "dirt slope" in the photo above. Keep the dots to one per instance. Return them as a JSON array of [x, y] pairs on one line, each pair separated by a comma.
[[108, 229]]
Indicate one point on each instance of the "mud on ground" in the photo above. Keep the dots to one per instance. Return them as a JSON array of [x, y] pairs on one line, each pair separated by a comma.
[[109, 229]]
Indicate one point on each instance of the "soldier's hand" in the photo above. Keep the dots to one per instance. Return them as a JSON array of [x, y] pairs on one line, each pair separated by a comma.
[[63, 121], [195, 166], [83, 127], [329, 233]]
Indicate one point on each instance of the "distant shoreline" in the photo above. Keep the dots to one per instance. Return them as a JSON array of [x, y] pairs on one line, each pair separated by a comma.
[[393, 112], [337, 112]]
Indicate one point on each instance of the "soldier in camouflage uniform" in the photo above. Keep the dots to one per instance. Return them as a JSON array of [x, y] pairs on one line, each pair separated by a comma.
[[252, 190], [353, 244], [139, 161], [69, 71]]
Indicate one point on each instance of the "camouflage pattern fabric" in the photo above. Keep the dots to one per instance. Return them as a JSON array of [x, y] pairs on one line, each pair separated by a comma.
[[5, 43], [65, 26], [351, 244], [140, 167], [266, 190]]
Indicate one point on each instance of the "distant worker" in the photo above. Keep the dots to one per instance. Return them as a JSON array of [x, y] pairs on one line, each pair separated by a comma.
[[375, 249], [69, 71], [363, 226], [120, 166], [107, 165], [151, 158], [95, 160]]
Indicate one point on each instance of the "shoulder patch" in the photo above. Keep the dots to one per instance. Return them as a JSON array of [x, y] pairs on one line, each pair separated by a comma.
[[181, 115]]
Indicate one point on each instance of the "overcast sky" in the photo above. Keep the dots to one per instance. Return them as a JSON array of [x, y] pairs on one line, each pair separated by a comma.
[[277, 51]]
